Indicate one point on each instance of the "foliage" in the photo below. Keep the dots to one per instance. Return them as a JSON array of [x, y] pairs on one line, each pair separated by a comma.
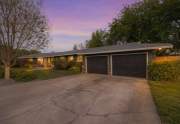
[[167, 98], [23, 75], [60, 64], [22, 26], [164, 71], [71, 64], [22, 63], [75, 47], [63, 64], [97, 39], [148, 21], [22, 52], [77, 67]]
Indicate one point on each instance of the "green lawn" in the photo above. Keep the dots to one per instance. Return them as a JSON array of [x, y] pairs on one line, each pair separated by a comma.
[[167, 99]]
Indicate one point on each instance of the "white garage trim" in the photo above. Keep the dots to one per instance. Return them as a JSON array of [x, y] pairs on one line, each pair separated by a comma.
[[85, 64], [147, 63], [110, 57]]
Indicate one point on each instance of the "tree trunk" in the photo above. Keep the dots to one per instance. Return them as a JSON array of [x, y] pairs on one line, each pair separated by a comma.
[[7, 72]]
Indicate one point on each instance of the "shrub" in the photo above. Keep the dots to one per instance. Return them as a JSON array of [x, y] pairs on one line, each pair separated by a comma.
[[79, 65], [75, 69], [60, 64], [22, 75], [29, 65], [71, 64], [164, 71]]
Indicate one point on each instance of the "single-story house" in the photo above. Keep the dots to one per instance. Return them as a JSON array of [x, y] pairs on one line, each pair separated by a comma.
[[130, 59]]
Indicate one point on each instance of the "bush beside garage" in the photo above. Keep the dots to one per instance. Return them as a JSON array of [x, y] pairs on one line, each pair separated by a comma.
[[166, 68]]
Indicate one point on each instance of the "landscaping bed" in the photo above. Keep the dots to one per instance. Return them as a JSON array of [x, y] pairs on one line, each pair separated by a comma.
[[25, 75]]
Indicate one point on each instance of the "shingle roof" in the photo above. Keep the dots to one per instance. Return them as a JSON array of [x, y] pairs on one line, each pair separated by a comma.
[[106, 49]]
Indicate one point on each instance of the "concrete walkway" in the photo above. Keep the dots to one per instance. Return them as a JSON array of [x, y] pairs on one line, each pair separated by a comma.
[[79, 99]]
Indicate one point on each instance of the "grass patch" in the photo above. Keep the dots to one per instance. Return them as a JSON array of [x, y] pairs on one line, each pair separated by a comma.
[[167, 99]]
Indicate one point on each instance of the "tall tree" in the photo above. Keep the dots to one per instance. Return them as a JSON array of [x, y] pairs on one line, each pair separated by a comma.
[[81, 46], [75, 47], [148, 21], [97, 39], [22, 52], [22, 26]]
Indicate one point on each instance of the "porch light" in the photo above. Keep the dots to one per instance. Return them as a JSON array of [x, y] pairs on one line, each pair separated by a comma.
[[159, 48], [71, 58]]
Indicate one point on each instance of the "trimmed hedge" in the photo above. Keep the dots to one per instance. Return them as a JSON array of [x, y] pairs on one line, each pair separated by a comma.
[[19, 75], [22, 75], [167, 71]]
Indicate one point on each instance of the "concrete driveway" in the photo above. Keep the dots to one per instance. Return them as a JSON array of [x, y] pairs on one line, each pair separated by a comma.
[[79, 99]]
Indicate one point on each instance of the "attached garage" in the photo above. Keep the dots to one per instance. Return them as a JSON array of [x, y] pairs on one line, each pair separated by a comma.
[[121, 60], [129, 65], [97, 64]]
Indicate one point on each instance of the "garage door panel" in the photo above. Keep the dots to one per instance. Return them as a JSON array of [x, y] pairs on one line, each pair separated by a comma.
[[97, 64], [129, 65]]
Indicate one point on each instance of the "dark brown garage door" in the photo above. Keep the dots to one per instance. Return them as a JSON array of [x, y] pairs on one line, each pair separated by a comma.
[[97, 64], [129, 65]]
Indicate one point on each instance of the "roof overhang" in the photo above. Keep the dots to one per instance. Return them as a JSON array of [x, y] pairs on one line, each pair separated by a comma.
[[104, 50], [129, 50]]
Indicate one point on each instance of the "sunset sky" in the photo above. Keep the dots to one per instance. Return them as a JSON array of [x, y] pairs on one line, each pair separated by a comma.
[[73, 21]]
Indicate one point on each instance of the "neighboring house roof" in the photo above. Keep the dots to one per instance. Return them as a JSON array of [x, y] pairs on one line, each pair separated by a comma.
[[129, 47]]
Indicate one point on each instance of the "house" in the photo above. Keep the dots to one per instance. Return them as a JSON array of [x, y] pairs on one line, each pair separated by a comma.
[[130, 59]]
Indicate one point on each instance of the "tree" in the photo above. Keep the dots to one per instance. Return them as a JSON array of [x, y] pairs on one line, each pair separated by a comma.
[[22, 26], [22, 52], [81, 46], [75, 47], [147, 21], [98, 39]]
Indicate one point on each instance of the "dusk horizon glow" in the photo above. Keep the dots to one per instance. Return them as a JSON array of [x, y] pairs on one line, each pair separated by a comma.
[[73, 21]]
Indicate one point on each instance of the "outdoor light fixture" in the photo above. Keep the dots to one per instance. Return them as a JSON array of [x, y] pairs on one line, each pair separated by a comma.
[[71, 58], [159, 48]]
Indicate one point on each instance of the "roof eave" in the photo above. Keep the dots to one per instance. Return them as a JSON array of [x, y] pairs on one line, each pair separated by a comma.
[[128, 50], [103, 52]]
